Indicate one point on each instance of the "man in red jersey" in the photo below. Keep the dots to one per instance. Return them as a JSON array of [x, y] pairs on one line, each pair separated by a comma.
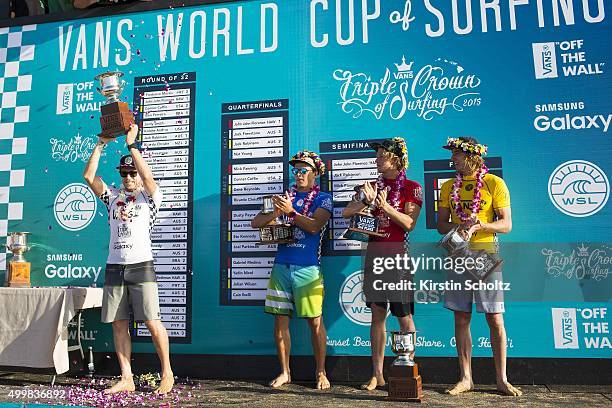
[[397, 203]]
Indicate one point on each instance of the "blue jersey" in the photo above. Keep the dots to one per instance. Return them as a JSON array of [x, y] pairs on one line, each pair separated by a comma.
[[306, 251]]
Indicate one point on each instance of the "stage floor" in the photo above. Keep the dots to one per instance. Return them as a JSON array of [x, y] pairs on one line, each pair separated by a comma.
[[199, 393]]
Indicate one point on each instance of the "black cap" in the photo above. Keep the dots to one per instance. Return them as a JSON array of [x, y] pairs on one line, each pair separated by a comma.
[[126, 161], [390, 145]]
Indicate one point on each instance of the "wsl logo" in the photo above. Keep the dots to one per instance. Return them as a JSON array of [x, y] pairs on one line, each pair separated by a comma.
[[565, 328], [545, 60], [64, 98], [578, 188], [75, 207], [352, 299]]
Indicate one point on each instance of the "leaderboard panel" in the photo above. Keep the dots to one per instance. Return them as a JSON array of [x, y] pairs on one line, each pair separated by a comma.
[[349, 164], [166, 112], [254, 154]]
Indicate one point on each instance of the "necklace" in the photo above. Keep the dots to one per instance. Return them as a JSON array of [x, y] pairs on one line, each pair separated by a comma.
[[395, 193], [309, 198], [475, 206], [126, 202]]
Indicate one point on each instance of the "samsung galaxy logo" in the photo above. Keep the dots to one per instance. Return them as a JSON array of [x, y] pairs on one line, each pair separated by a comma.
[[545, 123]]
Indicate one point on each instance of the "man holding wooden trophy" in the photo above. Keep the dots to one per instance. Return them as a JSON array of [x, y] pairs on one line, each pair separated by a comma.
[[476, 205], [296, 282], [396, 203]]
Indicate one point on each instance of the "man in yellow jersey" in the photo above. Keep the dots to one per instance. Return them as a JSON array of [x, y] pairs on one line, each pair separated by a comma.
[[478, 204]]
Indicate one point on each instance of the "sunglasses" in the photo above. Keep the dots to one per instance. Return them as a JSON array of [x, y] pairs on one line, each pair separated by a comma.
[[302, 171], [124, 174]]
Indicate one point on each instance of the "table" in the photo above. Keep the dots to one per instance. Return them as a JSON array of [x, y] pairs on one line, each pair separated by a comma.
[[34, 324]]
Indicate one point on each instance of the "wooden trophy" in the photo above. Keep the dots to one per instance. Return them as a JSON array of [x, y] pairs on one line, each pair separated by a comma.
[[404, 379], [275, 232], [18, 271], [116, 115], [363, 224]]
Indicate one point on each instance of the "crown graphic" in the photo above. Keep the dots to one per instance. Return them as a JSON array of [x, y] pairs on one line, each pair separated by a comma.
[[582, 250], [77, 139], [403, 67]]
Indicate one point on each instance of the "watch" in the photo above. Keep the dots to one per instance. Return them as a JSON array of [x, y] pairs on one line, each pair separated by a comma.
[[134, 145]]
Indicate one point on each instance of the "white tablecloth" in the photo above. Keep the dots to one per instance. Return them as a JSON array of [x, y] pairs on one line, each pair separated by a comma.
[[34, 324]]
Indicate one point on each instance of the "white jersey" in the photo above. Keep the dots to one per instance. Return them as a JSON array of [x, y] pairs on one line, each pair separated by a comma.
[[131, 217]]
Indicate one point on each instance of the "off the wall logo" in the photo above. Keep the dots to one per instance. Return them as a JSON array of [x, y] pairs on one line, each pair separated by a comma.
[[574, 328], [65, 94], [586, 261], [77, 148], [565, 328], [578, 188], [77, 97], [565, 59], [75, 207], [427, 91]]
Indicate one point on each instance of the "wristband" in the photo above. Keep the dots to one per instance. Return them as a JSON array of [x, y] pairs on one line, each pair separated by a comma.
[[292, 216], [133, 146]]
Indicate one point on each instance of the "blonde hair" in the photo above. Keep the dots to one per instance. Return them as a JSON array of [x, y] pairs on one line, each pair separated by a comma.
[[395, 161], [473, 163]]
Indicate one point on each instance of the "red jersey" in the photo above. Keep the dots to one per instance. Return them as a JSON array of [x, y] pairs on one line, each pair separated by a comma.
[[411, 192]]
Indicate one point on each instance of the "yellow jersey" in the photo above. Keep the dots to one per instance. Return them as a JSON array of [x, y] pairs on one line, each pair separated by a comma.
[[493, 196]]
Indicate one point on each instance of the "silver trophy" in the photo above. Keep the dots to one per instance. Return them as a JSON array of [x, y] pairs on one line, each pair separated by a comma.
[[268, 204], [362, 224], [17, 243], [18, 272], [116, 116], [458, 247], [110, 86], [402, 344], [279, 231]]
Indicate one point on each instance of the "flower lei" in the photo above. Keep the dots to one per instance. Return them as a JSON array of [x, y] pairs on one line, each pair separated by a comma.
[[308, 200], [475, 206], [468, 147], [125, 202], [404, 156], [320, 165], [395, 192]]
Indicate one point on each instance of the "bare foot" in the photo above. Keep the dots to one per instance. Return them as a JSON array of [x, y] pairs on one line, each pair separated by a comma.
[[322, 381], [282, 379], [124, 384], [165, 385], [508, 389], [373, 383], [461, 386]]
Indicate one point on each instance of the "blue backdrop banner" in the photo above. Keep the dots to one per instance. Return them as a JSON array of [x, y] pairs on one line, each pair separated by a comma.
[[224, 94]]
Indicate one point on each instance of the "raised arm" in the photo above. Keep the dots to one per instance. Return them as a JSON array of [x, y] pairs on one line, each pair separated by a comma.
[[139, 162], [94, 182]]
